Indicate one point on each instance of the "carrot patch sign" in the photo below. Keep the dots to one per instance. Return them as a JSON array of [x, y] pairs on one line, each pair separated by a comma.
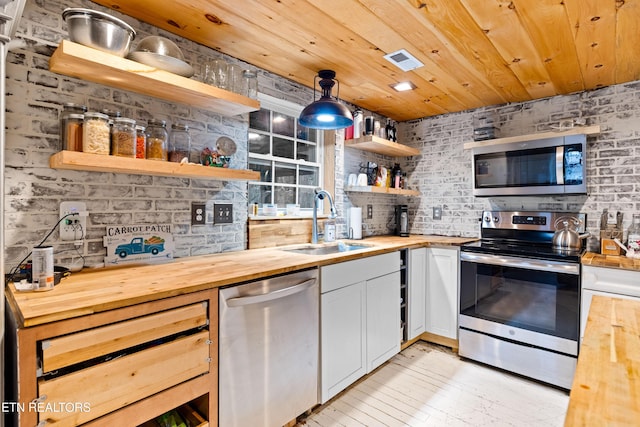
[[138, 243]]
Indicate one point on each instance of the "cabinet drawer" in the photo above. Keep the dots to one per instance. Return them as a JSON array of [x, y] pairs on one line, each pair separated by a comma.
[[336, 276], [108, 386], [86, 345]]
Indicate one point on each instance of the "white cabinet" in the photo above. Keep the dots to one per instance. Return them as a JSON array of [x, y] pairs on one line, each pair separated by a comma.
[[383, 319], [342, 338], [416, 294], [442, 292], [359, 319], [610, 282]]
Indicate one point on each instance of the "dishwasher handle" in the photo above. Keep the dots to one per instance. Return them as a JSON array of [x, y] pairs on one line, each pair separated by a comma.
[[281, 293]]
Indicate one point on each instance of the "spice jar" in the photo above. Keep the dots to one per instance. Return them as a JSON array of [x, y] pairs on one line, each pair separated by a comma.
[[179, 143], [141, 142], [95, 133], [72, 132], [68, 109], [123, 137], [157, 136]]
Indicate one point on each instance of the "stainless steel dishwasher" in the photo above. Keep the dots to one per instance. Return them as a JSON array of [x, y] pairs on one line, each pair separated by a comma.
[[269, 338]]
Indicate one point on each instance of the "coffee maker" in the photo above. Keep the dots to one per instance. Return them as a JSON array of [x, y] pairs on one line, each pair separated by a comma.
[[402, 220]]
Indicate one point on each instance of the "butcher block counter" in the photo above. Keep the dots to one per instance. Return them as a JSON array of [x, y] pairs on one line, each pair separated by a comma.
[[610, 261], [106, 289], [606, 386]]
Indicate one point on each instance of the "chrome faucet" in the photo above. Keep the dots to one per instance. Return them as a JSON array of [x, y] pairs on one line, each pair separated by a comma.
[[319, 195]]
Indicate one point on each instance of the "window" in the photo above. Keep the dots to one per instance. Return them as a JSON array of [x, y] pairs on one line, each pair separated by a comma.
[[287, 155]]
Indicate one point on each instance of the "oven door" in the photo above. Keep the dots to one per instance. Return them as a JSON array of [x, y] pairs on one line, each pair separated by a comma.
[[530, 301]]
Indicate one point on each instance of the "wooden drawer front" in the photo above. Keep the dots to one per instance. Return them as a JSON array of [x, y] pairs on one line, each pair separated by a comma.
[[109, 386], [74, 348]]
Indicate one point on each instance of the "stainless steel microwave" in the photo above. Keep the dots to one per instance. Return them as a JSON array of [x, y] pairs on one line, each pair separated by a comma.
[[545, 166]]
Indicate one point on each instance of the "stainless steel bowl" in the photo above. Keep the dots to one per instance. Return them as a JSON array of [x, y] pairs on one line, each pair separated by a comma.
[[161, 46], [99, 30]]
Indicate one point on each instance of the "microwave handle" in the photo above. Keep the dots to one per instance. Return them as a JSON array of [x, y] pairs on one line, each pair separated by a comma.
[[560, 165]]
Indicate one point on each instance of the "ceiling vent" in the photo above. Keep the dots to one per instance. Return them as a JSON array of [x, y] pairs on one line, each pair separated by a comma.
[[403, 60]]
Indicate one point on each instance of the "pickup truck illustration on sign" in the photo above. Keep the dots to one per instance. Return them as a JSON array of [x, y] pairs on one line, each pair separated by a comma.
[[138, 243]]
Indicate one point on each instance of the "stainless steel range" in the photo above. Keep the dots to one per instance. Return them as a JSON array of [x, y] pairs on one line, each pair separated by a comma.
[[520, 297]]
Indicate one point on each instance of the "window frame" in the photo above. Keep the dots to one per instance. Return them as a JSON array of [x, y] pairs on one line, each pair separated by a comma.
[[279, 106]]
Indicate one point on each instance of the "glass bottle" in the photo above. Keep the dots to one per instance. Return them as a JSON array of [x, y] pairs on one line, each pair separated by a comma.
[[633, 235], [141, 142], [123, 137], [179, 143], [157, 137], [68, 109], [95, 133]]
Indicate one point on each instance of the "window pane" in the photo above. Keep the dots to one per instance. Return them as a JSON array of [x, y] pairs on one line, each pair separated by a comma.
[[306, 152], [283, 124], [309, 175], [259, 194], [283, 148], [307, 134], [285, 173], [258, 144], [262, 166], [259, 120], [305, 198], [284, 196]]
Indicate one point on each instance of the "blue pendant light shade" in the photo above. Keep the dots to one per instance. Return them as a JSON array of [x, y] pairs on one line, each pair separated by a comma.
[[326, 112]]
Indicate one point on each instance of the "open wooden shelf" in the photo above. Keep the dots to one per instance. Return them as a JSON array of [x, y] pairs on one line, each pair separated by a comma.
[[375, 144], [74, 160], [381, 190], [90, 64], [578, 130]]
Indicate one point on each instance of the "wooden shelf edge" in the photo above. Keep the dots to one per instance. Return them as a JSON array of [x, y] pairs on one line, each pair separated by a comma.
[[381, 190], [73, 160], [586, 130], [375, 144], [75, 60]]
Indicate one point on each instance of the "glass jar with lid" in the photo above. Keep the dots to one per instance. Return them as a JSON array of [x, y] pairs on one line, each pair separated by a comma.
[[67, 141], [72, 132], [179, 143], [95, 133], [250, 84], [123, 137], [157, 137], [141, 142]]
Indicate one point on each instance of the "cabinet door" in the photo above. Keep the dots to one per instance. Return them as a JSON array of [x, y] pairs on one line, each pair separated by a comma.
[[416, 298], [342, 338], [442, 292], [383, 319]]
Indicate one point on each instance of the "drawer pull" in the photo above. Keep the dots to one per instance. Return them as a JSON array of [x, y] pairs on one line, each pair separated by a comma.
[[208, 342], [39, 399]]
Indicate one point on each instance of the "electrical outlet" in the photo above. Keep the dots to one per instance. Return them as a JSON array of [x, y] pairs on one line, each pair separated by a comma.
[[369, 211], [437, 212], [198, 213], [223, 213], [73, 227]]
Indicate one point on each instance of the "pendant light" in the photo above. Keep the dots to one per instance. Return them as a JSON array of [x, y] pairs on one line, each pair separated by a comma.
[[326, 112]]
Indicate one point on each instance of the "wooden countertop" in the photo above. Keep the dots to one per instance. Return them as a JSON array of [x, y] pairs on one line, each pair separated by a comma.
[[606, 386], [610, 261], [105, 289]]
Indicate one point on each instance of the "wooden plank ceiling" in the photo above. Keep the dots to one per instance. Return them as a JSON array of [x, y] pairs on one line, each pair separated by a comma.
[[475, 52]]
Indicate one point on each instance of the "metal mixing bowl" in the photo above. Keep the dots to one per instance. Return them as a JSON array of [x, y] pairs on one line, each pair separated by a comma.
[[99, 30], [161, 46]]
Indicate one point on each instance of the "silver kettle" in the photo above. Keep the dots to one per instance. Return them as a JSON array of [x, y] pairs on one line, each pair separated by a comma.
[[566, 236]]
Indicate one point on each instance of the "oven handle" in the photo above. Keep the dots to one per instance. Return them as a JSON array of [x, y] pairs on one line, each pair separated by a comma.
[[526, 263]]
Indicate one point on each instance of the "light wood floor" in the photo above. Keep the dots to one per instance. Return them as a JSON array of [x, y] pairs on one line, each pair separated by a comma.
[[428, 385]]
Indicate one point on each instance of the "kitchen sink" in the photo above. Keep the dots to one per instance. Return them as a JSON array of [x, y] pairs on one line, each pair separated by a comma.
[[327, 249]]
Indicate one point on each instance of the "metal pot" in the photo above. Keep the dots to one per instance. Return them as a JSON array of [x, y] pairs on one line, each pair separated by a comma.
[[566, 237]]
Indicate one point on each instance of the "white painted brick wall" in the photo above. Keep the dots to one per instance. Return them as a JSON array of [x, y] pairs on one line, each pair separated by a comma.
[[34, 191], [443, 170]]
